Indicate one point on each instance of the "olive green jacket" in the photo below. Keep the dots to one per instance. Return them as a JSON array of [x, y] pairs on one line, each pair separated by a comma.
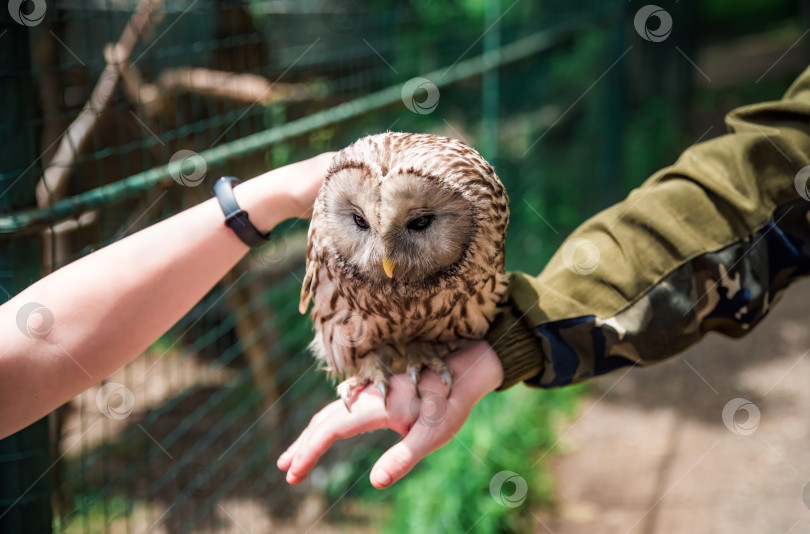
[[707, 244]]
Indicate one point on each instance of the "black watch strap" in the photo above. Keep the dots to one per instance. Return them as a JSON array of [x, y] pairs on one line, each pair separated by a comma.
[[235, 217]]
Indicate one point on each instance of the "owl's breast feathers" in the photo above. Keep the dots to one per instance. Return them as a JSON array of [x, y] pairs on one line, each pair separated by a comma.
[[352, 316]]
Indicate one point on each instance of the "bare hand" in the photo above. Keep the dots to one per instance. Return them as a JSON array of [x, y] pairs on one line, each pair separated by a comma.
[[305, 187], [291, 189], [426, 424]]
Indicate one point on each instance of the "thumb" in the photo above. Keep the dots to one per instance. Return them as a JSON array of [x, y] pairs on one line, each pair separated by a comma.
[[402, 457]]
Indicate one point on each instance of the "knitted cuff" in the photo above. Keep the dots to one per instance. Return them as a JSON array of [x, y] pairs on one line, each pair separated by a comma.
[[518, 348]]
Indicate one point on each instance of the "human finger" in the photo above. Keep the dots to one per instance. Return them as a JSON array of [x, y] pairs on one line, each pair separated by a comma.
[[423, 438], [320, 435]]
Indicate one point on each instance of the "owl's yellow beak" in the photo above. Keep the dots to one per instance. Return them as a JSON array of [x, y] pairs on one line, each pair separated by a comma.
[[388, 266]]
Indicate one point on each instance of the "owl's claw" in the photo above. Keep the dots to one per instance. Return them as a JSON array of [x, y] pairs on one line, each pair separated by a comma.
[[346, 389], [383, 389], [447, 378], [426, 355], [415, 379]]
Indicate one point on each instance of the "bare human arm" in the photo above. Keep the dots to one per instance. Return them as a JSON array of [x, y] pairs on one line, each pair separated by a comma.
[[426, 424], [109, 306]]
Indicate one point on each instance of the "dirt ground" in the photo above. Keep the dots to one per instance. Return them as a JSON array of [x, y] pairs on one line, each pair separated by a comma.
[[650, 452]]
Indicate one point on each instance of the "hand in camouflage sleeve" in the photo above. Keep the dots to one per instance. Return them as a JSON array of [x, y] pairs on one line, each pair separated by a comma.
[[708, 244]]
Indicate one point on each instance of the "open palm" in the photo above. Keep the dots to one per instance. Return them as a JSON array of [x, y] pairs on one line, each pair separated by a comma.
[[426, 423]]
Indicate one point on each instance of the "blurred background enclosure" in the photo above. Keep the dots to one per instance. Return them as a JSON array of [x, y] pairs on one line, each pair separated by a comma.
[[121, 113]]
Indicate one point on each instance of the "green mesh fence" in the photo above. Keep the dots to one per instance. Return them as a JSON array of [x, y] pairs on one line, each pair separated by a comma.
[[185, 438]]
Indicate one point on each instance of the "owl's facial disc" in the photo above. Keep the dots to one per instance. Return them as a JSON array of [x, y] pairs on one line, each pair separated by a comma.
[[407, 229], [425, 227]]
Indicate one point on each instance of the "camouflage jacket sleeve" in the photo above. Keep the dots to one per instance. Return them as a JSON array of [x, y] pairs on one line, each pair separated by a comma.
[[707, 244]]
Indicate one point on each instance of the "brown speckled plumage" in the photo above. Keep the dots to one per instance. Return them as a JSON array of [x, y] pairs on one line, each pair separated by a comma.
[[447, 279]]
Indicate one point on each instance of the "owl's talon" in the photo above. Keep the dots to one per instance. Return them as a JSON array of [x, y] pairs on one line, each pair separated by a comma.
[[346, 390], [415, 379], [383, 389], [447, 378], [427, 355]]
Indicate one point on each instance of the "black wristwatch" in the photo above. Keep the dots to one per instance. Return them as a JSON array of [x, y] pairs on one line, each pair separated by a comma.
[[235, 217]]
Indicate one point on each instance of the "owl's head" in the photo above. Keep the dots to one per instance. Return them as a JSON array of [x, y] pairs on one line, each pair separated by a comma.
[[404, 207]]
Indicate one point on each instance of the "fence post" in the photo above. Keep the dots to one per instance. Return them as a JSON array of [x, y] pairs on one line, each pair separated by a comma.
[[610, 180], [490, 83], [25, 484]]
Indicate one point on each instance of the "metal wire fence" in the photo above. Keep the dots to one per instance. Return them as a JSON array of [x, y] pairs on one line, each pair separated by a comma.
[[126, 112]]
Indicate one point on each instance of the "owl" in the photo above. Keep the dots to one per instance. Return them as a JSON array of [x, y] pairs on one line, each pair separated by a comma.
[[405, 258]]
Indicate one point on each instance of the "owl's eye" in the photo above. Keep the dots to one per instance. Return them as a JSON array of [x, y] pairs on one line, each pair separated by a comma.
[[360, 222], [420, 223]]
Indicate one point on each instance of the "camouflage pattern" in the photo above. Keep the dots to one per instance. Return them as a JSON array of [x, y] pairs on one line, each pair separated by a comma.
[[727, 292]]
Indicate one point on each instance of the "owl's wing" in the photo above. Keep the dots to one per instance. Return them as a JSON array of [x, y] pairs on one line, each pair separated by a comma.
[[309, 285], [311, 276]]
